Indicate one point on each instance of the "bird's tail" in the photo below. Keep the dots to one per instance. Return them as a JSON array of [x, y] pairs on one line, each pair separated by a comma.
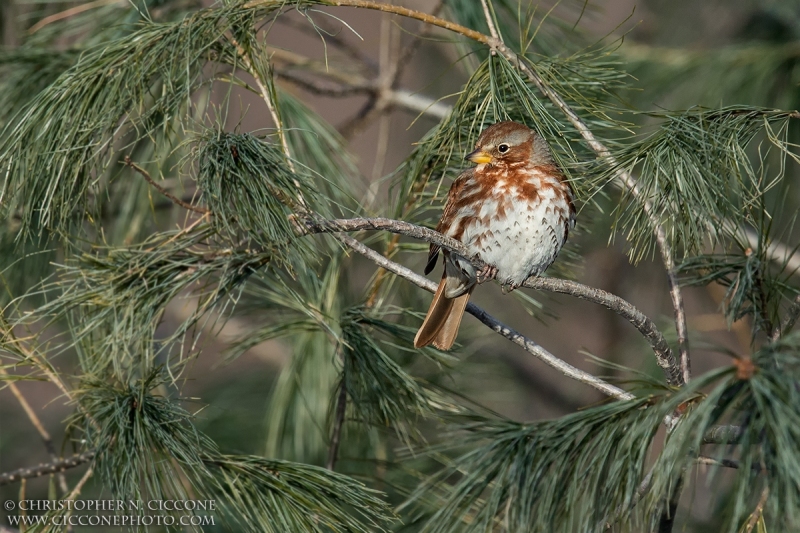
[[440, 326]]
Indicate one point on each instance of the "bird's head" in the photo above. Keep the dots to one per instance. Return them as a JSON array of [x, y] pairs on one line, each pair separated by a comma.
[[510, 142]]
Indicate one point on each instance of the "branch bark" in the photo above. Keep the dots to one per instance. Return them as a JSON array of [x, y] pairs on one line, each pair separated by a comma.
[[493, 324], [639, 320], [46, 468]]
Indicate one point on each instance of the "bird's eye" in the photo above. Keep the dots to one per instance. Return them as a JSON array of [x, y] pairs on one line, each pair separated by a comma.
[[503, 148]]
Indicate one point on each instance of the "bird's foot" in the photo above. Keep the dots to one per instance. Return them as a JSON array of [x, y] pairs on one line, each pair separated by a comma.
[[509, 287], [487, 273]]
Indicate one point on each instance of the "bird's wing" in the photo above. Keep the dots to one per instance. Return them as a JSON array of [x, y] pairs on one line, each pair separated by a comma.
[[448, 214]]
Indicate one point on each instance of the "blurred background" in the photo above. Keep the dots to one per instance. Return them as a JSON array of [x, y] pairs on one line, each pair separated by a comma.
[[678, 53]]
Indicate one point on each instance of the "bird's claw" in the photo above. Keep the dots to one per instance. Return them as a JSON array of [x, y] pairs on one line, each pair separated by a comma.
[[487, 273]]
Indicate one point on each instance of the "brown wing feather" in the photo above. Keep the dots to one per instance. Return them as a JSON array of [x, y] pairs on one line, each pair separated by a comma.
[[448, 214]]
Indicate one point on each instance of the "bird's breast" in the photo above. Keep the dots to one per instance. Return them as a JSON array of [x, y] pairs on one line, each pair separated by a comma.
[[517, 225]]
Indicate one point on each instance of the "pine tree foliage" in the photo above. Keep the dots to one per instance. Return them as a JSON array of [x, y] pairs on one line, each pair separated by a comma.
[[129, 184]]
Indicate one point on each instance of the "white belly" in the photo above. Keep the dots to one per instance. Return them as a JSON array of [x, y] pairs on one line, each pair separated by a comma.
[[522, 243]]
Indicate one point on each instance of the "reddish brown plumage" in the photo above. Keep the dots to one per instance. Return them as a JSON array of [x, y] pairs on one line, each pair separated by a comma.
[[514, 210]]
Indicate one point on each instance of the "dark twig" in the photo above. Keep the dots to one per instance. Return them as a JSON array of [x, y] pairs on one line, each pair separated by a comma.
[[667, 520], [341, 409], [146, 175], [46, 468], [641, 490]]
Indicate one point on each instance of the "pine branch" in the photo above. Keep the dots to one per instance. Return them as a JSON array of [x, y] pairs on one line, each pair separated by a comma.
[[44, 469], [395, 97]]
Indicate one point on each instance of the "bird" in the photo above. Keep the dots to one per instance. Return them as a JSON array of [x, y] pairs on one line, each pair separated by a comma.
[[514, 211]]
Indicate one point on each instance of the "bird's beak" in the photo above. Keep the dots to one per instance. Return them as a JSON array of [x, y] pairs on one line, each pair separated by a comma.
[[479, 156]]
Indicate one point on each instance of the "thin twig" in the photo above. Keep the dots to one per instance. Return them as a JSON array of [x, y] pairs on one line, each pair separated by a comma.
[[490, 21], [640, 321], [146, 175], [30, 355], [77, 490], [727, 463], [46, 468], [71, 12], [267, 97], [347, 84], [641, 490], [758, 511], [341, 409], [37, 423], [670, 512]]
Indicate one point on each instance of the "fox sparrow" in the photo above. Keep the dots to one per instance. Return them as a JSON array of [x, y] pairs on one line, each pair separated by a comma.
[[514, 210]]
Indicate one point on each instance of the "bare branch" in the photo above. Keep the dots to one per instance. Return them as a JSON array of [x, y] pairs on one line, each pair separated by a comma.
[[46, 468], [490, 21], [129, 162], [494, 324], [640, 321], [666, 360]]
